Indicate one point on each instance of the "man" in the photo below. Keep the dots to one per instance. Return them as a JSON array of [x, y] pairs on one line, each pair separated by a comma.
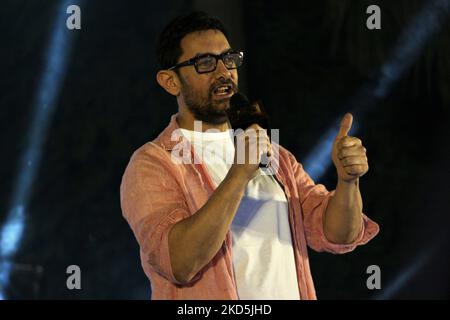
[[220, 229]]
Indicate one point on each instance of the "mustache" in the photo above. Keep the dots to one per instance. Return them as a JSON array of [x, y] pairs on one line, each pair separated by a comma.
[[222, 82]]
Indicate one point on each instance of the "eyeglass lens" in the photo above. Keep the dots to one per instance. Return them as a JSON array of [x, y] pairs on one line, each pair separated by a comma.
[[209, 63]]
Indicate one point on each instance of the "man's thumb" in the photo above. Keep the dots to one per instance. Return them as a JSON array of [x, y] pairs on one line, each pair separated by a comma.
[[346, 125]]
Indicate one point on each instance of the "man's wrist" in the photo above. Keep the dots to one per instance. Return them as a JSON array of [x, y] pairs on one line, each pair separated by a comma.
[[239, 175], [348, 183]]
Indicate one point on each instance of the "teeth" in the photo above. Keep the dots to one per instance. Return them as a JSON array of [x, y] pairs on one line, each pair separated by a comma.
[[222, 90]]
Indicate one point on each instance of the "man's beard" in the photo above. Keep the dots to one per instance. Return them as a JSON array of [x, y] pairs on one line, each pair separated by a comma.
[[207, 109]]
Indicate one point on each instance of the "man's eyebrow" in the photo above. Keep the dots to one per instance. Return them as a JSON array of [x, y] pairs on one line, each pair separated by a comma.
[[204, 53]]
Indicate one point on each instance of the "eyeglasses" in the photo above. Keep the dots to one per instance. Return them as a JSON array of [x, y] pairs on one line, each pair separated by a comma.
[[208, 62]]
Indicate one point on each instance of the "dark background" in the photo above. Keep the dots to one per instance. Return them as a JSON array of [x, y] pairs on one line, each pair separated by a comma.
[[306, 60]]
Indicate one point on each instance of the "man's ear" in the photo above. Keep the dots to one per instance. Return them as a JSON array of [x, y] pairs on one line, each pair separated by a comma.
[[169, 81]]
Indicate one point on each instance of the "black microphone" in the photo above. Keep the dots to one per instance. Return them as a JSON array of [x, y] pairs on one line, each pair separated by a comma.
[[243, 113]]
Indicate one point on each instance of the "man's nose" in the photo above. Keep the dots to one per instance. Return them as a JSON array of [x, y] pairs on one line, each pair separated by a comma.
[[222, 70]]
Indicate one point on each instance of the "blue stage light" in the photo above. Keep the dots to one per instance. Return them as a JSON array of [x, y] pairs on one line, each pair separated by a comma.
[[411, 43], [44, 104]]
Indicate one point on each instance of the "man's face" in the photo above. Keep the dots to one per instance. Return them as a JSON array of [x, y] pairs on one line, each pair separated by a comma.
[[198, 91]]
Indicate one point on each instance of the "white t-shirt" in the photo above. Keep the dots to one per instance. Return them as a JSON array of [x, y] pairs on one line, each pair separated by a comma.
[[263, 256]]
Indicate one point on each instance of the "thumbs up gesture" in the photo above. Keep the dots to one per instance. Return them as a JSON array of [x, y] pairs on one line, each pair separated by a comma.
[[349, 155]]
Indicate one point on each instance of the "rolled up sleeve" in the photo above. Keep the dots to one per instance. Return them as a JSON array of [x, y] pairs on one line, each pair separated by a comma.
[[314, 199], [152, 202]]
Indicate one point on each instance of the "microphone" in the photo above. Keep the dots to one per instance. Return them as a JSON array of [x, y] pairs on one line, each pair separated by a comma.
[[243, 113]]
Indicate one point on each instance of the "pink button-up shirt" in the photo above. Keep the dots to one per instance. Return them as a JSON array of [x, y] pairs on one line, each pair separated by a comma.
[[156, 193]]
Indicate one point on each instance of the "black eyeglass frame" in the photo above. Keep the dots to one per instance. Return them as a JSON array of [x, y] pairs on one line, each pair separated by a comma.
[[193, 61]]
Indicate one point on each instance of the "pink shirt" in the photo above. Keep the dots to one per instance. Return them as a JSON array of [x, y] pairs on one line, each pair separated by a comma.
[[156, 193]]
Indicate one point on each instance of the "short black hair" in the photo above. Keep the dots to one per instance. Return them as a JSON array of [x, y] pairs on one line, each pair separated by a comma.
[[169, 50]]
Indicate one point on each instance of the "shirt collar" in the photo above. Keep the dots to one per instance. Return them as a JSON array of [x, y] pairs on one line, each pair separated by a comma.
[[165, 137]]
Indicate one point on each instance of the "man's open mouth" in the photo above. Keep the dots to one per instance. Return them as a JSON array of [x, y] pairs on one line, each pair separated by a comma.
[[223, 91]]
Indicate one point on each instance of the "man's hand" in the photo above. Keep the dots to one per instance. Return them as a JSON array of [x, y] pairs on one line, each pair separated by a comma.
[[250, 145], [349, 155]]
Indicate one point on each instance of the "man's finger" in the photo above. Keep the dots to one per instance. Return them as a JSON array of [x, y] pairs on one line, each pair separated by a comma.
[[357, 169], [351, 161], [355, 150], [346, 125], [349, 141]]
